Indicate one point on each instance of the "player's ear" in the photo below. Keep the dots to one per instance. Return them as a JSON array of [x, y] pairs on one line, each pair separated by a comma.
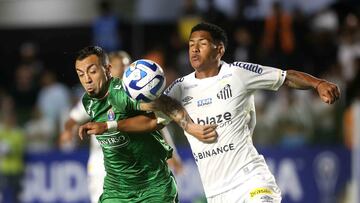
[[221, 49], [107, 70]]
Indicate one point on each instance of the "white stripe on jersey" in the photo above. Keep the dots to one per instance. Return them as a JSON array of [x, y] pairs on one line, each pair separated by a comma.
[[227, 100]]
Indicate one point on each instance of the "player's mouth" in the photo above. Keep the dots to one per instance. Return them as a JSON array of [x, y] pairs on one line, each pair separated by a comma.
[[90, 89], [195, 58]]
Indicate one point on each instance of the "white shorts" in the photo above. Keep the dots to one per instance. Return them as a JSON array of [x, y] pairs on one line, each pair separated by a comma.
[[95, 186], [96, 174], [258, 189]]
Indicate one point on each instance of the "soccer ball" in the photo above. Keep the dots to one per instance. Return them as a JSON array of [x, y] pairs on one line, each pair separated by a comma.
[[144, 80]]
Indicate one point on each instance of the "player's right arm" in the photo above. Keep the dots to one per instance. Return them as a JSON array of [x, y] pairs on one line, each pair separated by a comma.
[[137, 124]]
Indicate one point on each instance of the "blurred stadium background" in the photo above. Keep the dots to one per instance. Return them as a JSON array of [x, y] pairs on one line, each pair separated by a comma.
[[312, 148]]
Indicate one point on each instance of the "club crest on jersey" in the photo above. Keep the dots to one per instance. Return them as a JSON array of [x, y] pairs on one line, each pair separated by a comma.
[[110, 115], [225, 93]]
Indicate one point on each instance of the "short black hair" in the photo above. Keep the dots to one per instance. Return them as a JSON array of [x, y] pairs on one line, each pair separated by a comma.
[[93, 50], [216, 32]]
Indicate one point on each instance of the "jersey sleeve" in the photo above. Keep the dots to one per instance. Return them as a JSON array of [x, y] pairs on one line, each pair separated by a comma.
[[174, 90], [79, 114], [256, 76]]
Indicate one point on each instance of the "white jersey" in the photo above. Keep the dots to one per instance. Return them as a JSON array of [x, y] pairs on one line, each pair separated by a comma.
[[95, 164], [79, 114], [227, 100]]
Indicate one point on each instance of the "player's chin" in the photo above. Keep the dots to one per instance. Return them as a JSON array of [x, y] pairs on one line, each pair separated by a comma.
[[195, 64], [92, 93]]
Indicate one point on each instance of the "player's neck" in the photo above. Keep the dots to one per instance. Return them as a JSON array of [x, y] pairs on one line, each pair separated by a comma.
[[208, 72], [104, 92]]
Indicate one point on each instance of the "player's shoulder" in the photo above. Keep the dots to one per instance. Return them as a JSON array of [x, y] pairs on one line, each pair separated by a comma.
[[115, 83]]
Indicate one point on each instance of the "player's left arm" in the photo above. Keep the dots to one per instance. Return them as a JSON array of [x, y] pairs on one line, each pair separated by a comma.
[[328, 91]]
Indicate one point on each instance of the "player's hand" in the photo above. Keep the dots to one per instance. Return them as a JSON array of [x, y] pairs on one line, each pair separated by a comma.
[[92, 128], [328, 92], [65, 137], [204, 133]]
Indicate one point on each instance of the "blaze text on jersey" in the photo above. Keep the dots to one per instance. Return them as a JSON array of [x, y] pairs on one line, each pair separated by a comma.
[[221, 119], [214, 152]]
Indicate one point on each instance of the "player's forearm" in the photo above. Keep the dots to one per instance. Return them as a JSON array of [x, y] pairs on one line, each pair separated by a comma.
[[139, 124], [174, 110], [300, 80]]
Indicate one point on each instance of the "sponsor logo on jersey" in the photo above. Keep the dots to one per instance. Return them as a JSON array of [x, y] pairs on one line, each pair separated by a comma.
[[220, 119], [187, 100], [114, 140], [173, 84], [110, 115], [266, 199], [249, 66], [260, 191], [190, 86], [203, 102], [214, 152], [225, 93], [117, 87]]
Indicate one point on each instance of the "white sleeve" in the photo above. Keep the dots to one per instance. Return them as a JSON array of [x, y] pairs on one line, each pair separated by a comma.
[[79, 114], [256, 76], [174, 90]]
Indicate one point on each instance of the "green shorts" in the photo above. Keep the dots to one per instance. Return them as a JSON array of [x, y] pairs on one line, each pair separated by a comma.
[[157, 193]]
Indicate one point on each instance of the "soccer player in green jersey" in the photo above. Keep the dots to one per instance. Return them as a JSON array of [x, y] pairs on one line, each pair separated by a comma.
[[135, 154]]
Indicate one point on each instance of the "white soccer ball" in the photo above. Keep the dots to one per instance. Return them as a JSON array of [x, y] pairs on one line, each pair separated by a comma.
[[144, 80]]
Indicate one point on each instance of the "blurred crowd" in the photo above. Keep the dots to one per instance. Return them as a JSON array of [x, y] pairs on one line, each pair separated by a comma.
[[325, 43]]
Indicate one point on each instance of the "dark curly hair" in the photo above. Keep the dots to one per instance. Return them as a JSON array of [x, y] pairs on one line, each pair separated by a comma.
[[93, 50], [216, 32]]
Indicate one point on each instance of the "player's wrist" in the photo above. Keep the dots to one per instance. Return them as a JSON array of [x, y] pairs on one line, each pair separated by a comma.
[[318, 84], [111, 125]]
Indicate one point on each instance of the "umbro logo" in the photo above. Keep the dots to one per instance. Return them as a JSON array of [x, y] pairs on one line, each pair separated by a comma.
[[187, 100], [225, 93]]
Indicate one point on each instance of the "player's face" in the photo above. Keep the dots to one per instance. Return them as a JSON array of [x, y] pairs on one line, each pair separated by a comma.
[[93, 76], [203, 53], [117, 66]]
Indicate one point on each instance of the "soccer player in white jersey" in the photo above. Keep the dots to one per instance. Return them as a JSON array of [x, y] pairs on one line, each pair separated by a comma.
[[221, 93], [95, 166]]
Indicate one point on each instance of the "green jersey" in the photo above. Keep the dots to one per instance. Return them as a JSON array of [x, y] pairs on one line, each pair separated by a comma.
[[133, 162]]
